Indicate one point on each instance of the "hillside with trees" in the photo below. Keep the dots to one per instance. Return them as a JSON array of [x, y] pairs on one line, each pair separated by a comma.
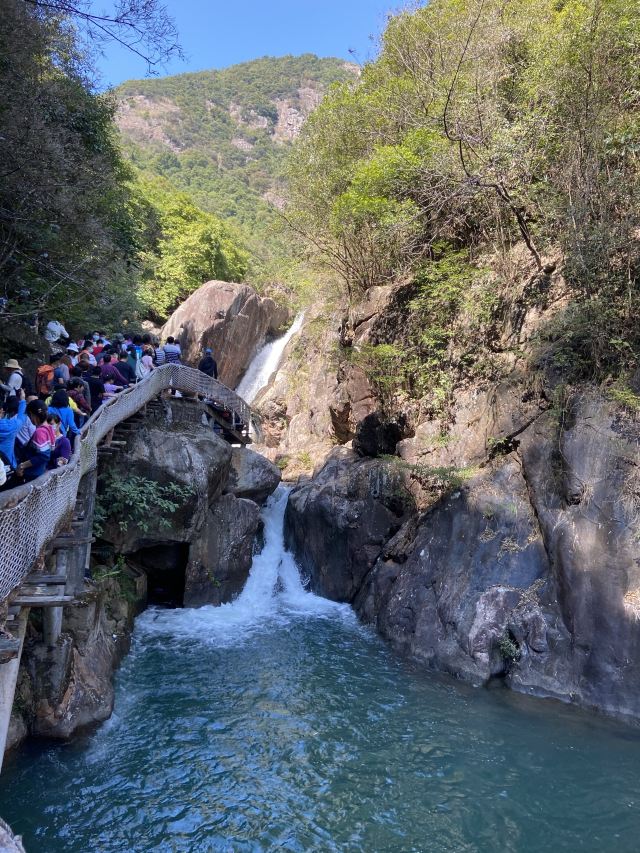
[[224, 137], [489, 152]]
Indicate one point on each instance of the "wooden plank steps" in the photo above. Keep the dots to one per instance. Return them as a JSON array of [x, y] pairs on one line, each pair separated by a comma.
[[38, 580], [9, 649], [42, 600], [70, 541]]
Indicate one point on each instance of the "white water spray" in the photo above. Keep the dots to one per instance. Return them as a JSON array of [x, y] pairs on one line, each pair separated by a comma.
[[273, 595], [265, 363]]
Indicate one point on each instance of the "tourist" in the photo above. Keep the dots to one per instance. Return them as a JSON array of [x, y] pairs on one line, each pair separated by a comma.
[[62, 406], [208, 365], [172, 352], [73, 351], [92, 377], [87, 351], [75, 390], [159, 357], [14, 378], [61, 453], [110, 390], [110, 373], [12, 417], [55, 331], [146, 362], [125, 370], [40, 447], [45, 378], [61, 373], [76, 373]]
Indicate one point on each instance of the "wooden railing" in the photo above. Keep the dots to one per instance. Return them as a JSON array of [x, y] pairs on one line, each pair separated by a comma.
[[33, 514]]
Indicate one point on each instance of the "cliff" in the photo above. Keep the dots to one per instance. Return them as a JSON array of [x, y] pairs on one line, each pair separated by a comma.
[[493, 538]]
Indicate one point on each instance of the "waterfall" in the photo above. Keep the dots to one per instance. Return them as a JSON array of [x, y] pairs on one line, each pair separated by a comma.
[[273, 595], [265, 363]]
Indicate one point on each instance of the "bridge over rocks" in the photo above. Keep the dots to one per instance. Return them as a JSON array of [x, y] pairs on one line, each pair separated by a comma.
[[46, 526]]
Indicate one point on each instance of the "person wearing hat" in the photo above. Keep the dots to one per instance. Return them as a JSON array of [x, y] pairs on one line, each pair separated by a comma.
[[72, 352], [208, 365], [14, 378]]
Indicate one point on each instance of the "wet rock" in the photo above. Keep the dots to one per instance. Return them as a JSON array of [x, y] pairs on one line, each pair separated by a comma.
[[338, 523], [220, 559], [69, 686], [451, 602], [584, 482], [229, 318], [252, 476]]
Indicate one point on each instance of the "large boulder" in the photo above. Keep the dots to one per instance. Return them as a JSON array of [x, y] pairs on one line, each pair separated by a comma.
[[220, 559], [338, 523], [252, 476], [582, 463], [229, 318], [446, 595], [190, 456]]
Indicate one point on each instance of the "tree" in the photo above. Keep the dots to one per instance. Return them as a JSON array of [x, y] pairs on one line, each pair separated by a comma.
[[181, 247], [142, 26], [65, 232]]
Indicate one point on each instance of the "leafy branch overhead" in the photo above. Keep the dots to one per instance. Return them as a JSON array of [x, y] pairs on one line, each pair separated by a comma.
[[480, 123], [141, 26]]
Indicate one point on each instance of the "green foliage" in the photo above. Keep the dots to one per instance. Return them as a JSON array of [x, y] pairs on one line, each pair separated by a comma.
[[182, 246], [66, 235], [137, 501], [216, 136], [509, 648], [479, 127], [624, 396], [282, 462]]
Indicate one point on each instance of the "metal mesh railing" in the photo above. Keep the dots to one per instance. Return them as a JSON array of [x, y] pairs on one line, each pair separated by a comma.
[[31, 515]]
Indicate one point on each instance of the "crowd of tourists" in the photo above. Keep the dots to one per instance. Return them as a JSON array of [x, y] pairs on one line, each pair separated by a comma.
[[41, 415]]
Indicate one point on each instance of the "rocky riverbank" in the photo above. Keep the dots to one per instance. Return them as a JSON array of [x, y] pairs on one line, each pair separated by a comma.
[[498, 540]]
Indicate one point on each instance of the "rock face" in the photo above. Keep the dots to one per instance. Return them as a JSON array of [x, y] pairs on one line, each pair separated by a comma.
[[528, 570], [338, 523], [69, 687], [209, 538], [220, 559], [448, 599], [252, 476], [229, 318]]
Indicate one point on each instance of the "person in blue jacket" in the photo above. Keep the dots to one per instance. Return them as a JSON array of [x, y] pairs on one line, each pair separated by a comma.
[[59, 405], [9, 426]]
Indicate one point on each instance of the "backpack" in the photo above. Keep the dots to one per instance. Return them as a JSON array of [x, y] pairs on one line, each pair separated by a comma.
[[141, 371], [44, 379], [27, 386]]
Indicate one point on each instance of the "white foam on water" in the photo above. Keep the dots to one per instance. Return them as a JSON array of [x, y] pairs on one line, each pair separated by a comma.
[[265, 363], [274, 595]]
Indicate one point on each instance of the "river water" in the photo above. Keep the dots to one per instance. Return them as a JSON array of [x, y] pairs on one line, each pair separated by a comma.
[[278, 723]]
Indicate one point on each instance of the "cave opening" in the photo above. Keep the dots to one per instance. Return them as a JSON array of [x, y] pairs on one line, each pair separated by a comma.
[[165, 566]]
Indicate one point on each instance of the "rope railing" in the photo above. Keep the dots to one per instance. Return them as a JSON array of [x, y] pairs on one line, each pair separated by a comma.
[[31, 515]]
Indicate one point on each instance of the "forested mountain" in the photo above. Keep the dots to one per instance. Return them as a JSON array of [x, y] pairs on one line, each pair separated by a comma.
[[224, 136], [489, 145]]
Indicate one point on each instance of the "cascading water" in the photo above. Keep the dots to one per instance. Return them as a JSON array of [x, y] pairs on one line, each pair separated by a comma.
[[265, 364], [277, 722], [272, 594]]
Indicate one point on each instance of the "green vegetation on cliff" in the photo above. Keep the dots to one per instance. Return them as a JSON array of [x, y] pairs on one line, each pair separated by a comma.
[[83, 235], [482, 127], [224, 137]]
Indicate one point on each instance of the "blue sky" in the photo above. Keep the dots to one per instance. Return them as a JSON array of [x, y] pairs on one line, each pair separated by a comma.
[[217, 33]]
